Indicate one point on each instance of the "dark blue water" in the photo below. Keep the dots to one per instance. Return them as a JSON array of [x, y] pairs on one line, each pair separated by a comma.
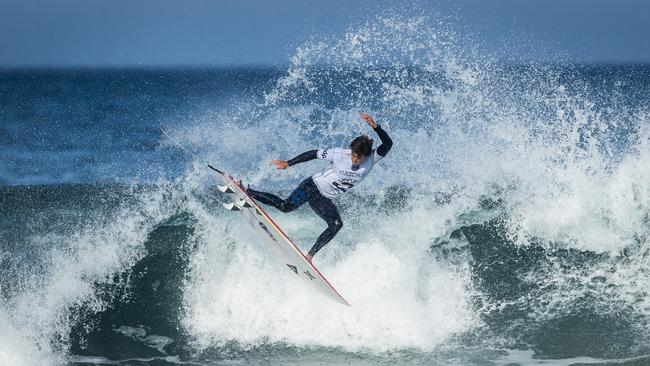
[[89, 126]]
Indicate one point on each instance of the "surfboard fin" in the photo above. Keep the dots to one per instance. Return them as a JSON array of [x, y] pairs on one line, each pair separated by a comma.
[[225, 189], [243, 203], [231, 207]]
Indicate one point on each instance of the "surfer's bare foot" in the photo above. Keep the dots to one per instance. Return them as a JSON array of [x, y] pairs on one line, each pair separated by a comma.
[[308, 258]]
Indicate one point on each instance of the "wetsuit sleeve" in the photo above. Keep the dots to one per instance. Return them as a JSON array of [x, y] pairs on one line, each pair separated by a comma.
[[386, 144], [306, 156]]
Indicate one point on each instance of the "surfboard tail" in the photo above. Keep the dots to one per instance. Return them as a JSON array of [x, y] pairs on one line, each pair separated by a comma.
[[231, 206], [224, 189], [215, 169]]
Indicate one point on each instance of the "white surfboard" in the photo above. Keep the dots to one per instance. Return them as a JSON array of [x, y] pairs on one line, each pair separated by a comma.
[[289, 254]]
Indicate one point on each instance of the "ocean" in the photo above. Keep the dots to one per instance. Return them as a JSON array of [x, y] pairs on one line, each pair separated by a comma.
[[509, 224]]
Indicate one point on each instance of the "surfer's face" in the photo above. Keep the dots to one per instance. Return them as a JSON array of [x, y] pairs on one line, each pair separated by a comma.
[[357, 159]]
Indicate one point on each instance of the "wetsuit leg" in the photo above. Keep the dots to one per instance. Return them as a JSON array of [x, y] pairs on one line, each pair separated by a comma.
[[325, 208], [299, 196]]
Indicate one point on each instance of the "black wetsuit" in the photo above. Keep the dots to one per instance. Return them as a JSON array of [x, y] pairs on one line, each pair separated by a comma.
[[307, 191]]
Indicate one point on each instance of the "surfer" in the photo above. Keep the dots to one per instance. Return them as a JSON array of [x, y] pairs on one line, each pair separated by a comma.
[[348, 167]]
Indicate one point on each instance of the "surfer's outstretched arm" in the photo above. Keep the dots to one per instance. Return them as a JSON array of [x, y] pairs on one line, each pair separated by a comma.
[[306, 156], [386, 142]]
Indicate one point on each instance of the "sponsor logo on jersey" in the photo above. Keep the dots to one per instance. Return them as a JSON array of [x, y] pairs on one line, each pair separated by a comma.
[[342, 186], [348, 173]]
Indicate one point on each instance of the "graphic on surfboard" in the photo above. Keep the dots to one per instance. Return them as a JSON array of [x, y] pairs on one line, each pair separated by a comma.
[[271, 233]]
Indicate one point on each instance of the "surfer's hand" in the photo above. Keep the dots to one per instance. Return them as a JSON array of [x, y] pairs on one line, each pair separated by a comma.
[[280, 164], [366, 117]]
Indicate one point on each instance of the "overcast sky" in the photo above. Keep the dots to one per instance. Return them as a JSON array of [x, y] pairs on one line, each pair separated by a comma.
[[245, 32]]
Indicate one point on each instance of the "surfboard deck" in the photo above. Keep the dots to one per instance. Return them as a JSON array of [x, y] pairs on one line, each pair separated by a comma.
[[270, 232]]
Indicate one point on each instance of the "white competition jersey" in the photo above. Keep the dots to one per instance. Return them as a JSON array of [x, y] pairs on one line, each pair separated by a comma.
[[340, 175]]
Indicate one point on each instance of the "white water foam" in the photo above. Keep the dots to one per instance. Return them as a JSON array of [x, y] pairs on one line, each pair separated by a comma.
[[465, 128], [249, 296]]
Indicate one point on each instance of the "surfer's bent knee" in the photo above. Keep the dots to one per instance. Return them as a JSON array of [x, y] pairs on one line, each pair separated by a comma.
[[337, 225], [287, 206]]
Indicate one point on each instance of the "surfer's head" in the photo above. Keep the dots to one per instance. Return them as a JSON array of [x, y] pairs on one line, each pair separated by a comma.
[[361, 148]]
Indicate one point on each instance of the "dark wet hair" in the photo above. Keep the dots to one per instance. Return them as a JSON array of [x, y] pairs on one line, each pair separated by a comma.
[[362, 145]]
